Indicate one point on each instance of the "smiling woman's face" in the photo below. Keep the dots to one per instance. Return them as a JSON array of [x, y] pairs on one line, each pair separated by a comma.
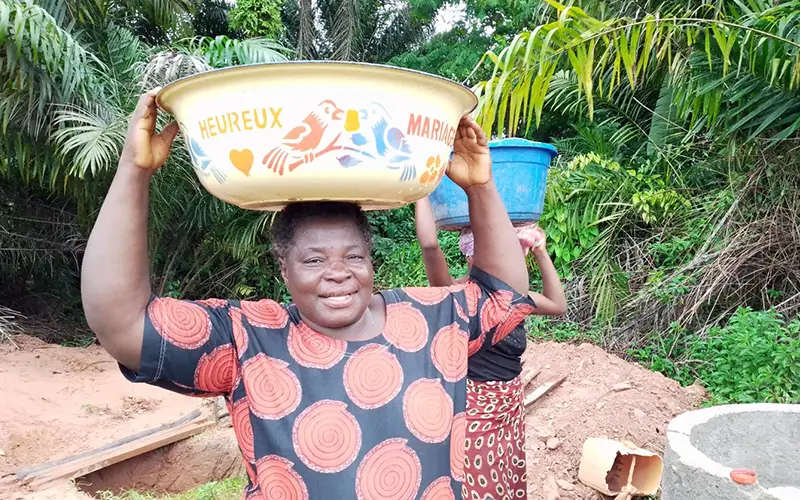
[[328, 271]]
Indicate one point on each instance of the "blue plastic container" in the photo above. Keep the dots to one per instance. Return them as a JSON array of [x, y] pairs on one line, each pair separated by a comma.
[[520, 173]]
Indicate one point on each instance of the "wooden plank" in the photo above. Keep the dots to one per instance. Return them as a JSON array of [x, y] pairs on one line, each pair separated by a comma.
[[106, 457], [90, 464], [24, 473], [542, 390], [527, 377]]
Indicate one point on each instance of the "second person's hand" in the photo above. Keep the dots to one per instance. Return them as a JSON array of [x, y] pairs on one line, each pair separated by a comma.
[[144, 148], [532, 238]]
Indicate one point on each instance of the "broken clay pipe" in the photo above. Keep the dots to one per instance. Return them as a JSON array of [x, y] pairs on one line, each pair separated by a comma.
[[619, 469]]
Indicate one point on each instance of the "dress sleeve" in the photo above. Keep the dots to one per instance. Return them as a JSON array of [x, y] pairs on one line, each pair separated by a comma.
[[493, 309], [188, 347]]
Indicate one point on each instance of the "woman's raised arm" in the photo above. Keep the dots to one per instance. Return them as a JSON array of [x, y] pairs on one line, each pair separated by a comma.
[[497, 249], [115, 276]]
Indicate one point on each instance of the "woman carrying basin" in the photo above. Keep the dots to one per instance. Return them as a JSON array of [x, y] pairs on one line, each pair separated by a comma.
[[495, 454], [344, 393]]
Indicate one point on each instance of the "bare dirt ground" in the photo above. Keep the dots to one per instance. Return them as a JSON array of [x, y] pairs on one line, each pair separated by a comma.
[[60, 401], [587, 405], [64, 401], [210, 456]]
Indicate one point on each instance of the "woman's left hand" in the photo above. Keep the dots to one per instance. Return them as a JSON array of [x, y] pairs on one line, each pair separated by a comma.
[[471, 164]]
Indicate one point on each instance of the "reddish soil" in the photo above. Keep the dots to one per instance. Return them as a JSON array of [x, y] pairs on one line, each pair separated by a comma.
[[586, 405], [211, 456], [67, 400], [64, 401]]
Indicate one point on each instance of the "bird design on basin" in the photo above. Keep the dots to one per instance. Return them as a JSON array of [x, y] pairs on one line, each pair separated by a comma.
[[200, 159], [317, 134], [378, 139]]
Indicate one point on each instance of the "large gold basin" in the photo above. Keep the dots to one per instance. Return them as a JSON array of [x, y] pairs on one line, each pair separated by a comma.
[[262, 136]]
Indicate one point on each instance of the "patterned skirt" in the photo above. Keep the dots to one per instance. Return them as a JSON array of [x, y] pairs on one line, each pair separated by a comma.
[[494, 466]]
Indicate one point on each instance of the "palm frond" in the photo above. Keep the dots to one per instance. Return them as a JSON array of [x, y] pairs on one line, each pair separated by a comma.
[[346, 31], [222, 51], [606, 55], [157, 21], [306, 30], [746, 104], [166, 67], [211, 18], [121, 51], [41, 60], [8, 324], [201, 54], [90, 137]]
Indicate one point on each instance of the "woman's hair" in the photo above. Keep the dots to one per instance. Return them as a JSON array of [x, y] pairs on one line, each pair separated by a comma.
[[295, 215]]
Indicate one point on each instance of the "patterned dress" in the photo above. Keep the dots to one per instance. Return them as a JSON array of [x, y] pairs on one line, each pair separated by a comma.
[[495, 466], [317, 417]]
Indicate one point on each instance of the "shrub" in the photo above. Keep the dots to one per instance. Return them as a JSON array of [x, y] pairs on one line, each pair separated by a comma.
[[755, 358]]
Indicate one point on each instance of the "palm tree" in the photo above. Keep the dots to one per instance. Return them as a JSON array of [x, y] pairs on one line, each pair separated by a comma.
[[668, 85], [71, 73], [357, 30], [721, 67]]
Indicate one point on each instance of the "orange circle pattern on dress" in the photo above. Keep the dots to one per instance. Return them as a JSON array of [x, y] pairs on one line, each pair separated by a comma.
[[475, 344], [216, 370], [240, 337], [495, 309], [326, 437], [428, 410], [473, 294], [272, 389], [372, 376], [265, 314], [439, 490], [181, 323], [428, 296], [213, 303], [458, 435], [279, 481], [314, 350], [518, 314], [449, 352], [461, 313], [243, 428], [389, 471], [406, 327]]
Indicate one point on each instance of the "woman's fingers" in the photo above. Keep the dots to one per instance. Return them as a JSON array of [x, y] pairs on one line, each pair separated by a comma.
[[147, 112], [169, 132]]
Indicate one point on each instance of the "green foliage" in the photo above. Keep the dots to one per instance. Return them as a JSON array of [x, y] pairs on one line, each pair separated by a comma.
[[211, 18], [397, 255], [754, 358], [357, 30], [590, 202], [71, 74], [257, 18], [452, 54], [728, 66], [228, 489], [543, 328], [221, 51]]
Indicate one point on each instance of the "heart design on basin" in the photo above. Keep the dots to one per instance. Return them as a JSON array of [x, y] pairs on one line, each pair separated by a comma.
[[242, 160]]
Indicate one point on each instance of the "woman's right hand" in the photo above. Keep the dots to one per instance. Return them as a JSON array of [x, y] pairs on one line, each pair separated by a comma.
[[143, 147]]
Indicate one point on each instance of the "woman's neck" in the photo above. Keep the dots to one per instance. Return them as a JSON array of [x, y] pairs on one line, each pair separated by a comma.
[[367, 327]]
